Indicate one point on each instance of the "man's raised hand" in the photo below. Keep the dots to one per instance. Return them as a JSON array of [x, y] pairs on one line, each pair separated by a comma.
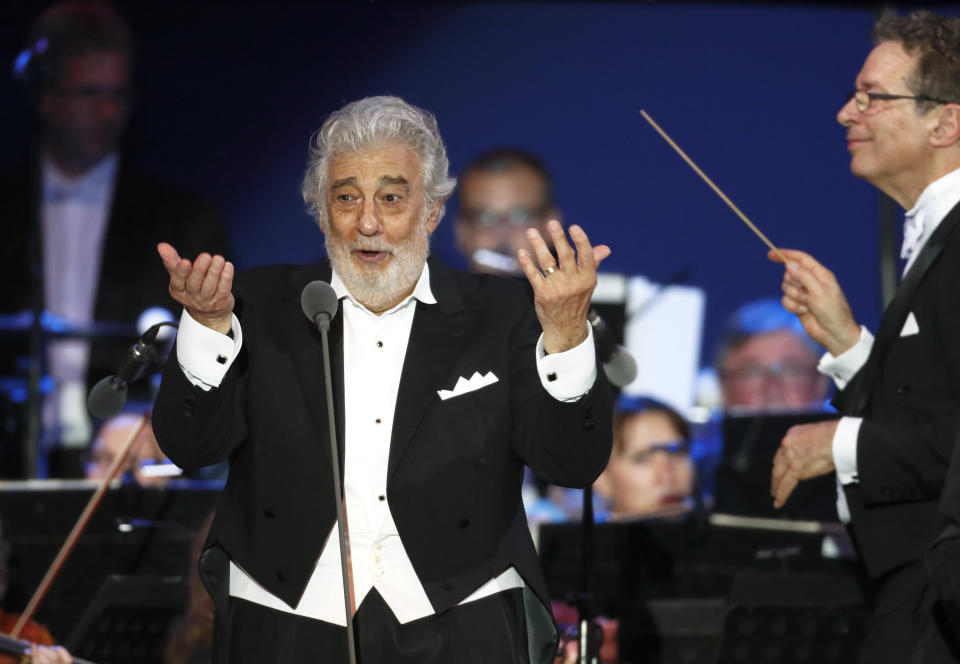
[[562, 288], [203, 287]]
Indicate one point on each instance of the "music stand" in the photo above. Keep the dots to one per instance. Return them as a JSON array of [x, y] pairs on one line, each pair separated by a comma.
[[750, 442], [128, 619]]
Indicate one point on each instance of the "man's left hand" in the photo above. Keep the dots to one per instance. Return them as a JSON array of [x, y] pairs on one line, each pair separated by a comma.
[[805, 452], [562, 288]]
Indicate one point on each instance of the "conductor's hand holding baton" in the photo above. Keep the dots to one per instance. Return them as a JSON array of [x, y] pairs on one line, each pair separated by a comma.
[[812, 293]]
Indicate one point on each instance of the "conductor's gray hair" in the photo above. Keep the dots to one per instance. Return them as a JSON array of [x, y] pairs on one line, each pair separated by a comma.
[[369, 123]]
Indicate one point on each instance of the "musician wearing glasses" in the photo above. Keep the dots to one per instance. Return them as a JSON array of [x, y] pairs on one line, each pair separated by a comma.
[[899, 391], [650, 472], [81, 220], [502, 193]]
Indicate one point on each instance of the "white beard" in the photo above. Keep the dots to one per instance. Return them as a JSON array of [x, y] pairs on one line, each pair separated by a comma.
[[376, 287]]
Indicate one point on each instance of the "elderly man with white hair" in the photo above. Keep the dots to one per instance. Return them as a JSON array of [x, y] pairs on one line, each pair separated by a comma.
[[445, 385]]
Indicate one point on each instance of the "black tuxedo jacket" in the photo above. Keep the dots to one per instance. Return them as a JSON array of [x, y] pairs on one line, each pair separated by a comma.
[[455, 466], [908, 394], [145, 211]]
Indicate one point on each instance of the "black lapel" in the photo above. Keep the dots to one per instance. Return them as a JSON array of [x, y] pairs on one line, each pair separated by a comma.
[[438, 334], [896, 313], [307, 352]]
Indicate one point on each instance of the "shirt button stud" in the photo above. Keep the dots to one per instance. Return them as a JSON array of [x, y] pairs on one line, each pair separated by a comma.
[[379, 344]]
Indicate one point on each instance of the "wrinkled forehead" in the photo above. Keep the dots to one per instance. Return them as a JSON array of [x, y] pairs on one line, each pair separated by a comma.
[[392, 162], [887, 68]]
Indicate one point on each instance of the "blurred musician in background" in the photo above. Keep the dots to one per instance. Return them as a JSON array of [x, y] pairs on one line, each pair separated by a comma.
[[109, 441], [899, 392], [765, 361], [650, 472], [44, 651], [502, 193], [81, 222]]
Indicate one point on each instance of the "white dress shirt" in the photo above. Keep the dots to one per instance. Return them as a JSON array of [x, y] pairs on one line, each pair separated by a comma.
[[374, 347], [922, 220], [73, 214]]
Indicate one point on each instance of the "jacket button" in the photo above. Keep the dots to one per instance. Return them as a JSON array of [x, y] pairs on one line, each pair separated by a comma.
[[463, 523], [188, 413], [903, 389], [268, 513], [589, 423], [280, 575]]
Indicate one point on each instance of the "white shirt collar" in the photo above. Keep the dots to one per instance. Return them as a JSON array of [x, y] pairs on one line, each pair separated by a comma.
[[934, 203], [937, 199], [96, 183], [421, 291]]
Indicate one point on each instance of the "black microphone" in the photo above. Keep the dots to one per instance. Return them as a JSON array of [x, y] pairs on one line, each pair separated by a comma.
[[107, 397], [618, 363], [319, 303]]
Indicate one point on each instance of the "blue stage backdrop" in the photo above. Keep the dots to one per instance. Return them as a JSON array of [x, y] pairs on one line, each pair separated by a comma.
[[230, 94]]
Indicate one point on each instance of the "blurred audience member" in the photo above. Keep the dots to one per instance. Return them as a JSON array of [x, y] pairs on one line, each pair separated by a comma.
[[109, 441], [81, 222], [767, 362], [502, 193], [650, 472]]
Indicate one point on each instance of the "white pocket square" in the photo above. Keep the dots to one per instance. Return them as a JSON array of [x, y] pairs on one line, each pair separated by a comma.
[[910, 326], [464, 385]]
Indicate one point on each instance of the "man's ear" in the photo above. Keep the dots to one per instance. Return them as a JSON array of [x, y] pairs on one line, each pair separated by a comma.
[[434, 220], [947, 130]]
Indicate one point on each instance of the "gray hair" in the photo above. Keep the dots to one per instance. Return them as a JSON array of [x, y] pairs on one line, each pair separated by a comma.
[[369, 123]]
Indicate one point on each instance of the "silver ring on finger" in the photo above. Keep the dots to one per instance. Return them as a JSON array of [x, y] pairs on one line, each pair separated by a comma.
[[549, 270]]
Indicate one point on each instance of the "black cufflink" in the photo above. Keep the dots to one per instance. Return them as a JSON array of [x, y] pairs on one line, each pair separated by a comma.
[[221, 359], [552, 376]]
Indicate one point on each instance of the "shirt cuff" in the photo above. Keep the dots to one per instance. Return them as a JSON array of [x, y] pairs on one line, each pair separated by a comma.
[[845, 449], [205, 355], [569, 375], [845, 366]]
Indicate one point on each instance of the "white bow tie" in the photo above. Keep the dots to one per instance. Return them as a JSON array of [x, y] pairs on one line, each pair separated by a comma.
[[912, 232]]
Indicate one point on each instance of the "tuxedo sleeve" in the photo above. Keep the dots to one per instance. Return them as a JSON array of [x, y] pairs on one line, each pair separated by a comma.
[[201, 425], [566, 443]]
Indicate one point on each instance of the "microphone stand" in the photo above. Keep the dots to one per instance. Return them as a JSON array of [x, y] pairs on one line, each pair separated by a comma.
[[349, 605], [590, 639]]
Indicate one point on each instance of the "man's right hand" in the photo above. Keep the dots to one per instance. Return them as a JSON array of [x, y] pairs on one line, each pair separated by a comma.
[[811, 292], [203, 287]]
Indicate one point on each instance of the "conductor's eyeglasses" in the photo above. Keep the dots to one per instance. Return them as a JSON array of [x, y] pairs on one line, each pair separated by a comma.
[[863, 99]]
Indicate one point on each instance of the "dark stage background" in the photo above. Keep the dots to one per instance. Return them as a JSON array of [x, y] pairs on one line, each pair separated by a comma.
[[230, 93]]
